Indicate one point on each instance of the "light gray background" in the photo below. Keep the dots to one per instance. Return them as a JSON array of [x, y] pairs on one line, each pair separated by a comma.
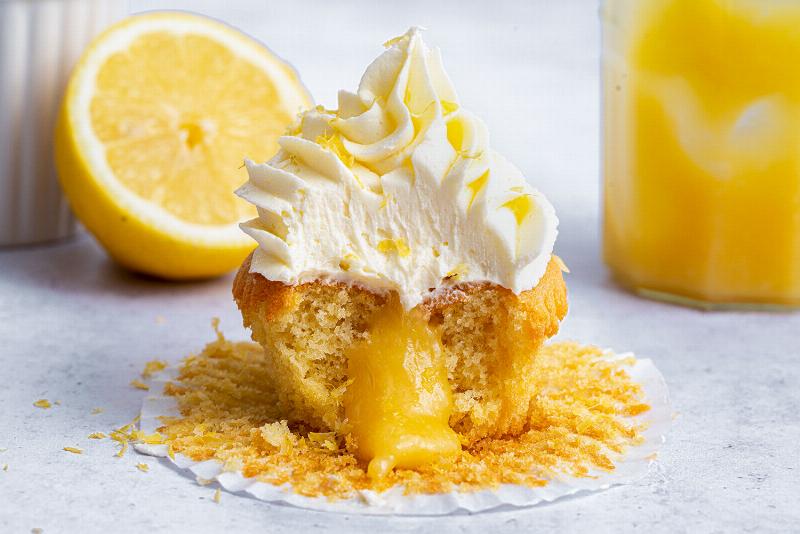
[[75, 328]]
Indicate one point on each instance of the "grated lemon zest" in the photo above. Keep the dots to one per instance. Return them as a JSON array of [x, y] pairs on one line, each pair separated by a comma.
[[520, 207], [144, 468], [393, 41], [217, 496], [449, 107], [457, 272], [333, 143], [42, 403], [74, 450], [97, 435], [398, 245]]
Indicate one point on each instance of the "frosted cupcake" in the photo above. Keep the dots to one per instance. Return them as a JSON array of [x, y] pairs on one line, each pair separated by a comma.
[[404, 279]]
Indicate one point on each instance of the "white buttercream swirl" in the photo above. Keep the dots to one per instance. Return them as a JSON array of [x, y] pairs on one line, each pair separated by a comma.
[[398, 189]]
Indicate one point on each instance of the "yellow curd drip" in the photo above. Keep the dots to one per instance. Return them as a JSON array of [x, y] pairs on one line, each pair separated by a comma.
[[398, 403], [702, 136]]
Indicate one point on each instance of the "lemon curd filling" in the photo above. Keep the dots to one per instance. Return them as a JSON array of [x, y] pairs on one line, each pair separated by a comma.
[[399, 402]]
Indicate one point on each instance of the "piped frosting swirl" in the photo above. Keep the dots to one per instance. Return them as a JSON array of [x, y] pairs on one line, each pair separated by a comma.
[[398, 189]]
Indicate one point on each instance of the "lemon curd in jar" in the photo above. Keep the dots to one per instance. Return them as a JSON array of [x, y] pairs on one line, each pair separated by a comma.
[[702, 149]]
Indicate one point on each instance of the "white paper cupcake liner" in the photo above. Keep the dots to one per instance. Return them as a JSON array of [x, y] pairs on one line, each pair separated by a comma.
[[629, 467]]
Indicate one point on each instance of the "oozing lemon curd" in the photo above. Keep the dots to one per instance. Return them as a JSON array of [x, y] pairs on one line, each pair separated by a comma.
[[399, 402], [702, 167]]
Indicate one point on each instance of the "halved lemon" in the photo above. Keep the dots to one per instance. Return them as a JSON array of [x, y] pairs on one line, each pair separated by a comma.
[[158, 116]]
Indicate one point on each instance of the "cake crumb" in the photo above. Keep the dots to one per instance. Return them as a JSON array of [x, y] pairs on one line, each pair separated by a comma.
[[5, 467], [138, 384], [97, 411], [74, 450], [581, 421], [42, 403], [36, 531], [152, 367]]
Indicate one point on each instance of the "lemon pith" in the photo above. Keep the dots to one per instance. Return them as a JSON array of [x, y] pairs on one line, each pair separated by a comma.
[[158, 115]]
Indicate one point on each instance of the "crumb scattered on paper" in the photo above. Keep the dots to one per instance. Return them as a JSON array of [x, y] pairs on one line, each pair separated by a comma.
[[228, 408], [138, 384], [152, 367]]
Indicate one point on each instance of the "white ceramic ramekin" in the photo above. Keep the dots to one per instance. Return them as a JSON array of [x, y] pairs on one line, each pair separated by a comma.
[[40, 41]]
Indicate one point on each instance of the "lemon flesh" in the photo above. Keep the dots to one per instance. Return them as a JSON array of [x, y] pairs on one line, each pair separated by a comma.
[[158, 116]]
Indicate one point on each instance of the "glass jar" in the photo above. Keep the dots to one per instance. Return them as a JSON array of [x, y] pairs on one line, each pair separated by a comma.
[[702, 149]]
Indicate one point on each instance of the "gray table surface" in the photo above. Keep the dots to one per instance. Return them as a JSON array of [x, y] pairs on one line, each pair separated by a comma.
[[76, 328]]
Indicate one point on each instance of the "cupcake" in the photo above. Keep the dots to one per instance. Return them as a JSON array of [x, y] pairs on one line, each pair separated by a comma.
[[404, 279]]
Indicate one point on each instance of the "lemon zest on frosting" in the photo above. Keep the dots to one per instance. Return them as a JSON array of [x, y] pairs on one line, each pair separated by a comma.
[[475, 187], [333, 143], [521, 207], [398, 245], [457, 272], [393, 41], [449, 107]]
